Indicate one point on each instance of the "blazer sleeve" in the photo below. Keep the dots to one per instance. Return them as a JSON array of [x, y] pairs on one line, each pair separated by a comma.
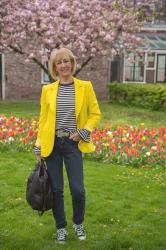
[[94, 114], [43, 116]]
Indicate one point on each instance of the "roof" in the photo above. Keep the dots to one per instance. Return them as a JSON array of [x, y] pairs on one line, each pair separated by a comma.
[[154, 41], [154, 27]]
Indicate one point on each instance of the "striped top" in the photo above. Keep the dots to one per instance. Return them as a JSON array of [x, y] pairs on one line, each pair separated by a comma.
[[65, 112], [65, 107]]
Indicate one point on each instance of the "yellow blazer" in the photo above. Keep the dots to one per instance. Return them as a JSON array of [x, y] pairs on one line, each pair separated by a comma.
[[87, 115]]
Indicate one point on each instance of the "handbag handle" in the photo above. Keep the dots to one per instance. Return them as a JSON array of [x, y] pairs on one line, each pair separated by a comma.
[[43, 167]]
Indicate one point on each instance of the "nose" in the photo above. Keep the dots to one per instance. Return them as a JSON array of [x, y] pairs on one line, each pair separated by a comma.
[[63, 63]]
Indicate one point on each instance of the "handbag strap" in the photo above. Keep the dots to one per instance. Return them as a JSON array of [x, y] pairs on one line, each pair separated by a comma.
[[43, 162]]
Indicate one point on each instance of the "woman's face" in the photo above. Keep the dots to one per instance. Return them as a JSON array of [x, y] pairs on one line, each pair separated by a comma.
[[64, 66]]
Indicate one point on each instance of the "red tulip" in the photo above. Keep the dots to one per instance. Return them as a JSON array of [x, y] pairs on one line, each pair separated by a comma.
[[1, 134], [11, 133]]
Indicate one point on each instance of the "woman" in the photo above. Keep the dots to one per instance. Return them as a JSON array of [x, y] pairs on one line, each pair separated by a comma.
[[69, 112]]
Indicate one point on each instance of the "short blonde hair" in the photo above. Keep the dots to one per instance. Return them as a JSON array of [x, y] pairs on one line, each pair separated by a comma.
[[57, 55]]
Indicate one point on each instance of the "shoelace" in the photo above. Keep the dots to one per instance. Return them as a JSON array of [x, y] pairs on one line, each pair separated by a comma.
[[79, 229], [61, 233]]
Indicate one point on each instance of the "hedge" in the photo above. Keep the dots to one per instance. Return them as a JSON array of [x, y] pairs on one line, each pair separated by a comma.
[[151, 96]]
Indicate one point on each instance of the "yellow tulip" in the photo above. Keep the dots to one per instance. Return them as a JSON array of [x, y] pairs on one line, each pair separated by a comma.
[[124, 139], [143, 138]]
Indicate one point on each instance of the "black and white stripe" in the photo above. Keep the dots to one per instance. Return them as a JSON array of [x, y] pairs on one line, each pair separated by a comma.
[[65, 107], [36, 150], [65, 112]]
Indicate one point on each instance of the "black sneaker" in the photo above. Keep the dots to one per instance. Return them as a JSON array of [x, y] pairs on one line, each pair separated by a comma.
[[61, 235], [80, 232]]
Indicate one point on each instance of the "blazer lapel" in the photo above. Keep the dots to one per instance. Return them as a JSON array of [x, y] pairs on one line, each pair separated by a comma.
[[53, 95], [79, 95]]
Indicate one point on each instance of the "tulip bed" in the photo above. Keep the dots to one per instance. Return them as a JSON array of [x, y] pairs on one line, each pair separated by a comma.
[[131, 145], [126, 145], [17, 133]]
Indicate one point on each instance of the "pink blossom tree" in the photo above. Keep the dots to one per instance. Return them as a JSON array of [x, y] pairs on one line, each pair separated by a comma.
[[33, 28]]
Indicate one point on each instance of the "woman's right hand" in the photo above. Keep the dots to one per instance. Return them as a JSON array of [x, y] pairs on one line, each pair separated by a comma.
[[38, 157], [37, 152]]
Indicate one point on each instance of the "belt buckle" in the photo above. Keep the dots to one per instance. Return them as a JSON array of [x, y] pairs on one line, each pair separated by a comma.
[[61, 133]]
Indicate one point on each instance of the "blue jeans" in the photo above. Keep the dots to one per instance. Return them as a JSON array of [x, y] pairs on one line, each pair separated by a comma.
[[67, 150]]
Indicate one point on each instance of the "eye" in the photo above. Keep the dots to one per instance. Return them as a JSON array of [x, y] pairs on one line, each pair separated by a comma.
[[63, 61], [66, 61]]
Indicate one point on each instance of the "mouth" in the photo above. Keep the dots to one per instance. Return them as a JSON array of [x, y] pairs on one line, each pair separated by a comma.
[[65, 70]]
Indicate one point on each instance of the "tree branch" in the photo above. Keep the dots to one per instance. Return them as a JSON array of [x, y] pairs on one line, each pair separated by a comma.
[[19, 50], [83, 65], [44, 68]]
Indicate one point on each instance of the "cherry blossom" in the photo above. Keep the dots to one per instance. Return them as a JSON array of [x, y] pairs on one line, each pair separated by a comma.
[[34, 28]]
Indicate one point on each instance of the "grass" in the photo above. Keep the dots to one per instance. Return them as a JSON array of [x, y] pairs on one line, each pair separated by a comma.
[[119, 114], [22, 109], [116, 114], [125, 208]]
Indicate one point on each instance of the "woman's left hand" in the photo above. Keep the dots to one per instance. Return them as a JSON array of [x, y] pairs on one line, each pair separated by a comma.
[[75, 137]]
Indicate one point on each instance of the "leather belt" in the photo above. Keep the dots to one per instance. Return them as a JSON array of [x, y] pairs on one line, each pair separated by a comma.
[[61, 133]]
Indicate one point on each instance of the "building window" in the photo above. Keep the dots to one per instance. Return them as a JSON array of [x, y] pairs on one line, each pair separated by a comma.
[[161, 68], [150, 67], [134, 68], [45, 76], [151, 60]]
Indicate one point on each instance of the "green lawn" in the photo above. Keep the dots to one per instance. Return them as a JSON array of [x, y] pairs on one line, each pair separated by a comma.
[[120, 114], [21, 109], [116, 114], [125, 209]]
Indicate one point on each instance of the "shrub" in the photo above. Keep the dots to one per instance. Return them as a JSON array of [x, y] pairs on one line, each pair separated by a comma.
[[151, 96]]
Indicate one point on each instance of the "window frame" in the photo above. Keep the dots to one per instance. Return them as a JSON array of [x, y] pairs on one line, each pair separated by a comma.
[[3, 77], [124, 71], [44, 75]]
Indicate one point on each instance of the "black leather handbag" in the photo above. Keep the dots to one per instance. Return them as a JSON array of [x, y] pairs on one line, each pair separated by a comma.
[[38, 190]]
